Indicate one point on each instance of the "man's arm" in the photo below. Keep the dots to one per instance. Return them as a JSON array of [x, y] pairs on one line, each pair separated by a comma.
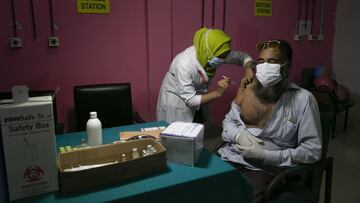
[[232, 124]]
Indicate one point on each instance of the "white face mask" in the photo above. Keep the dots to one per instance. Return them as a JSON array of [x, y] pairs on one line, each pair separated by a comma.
[[268, 74], [216, 62]]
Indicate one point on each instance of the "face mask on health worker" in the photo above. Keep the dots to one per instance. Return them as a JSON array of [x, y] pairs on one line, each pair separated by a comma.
[[216, 62]]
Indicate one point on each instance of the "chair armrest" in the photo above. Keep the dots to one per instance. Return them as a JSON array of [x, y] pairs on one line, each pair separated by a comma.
[[137, 118], [289, 172]]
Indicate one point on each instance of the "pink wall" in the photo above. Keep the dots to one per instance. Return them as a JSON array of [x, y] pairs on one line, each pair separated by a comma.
[[136, 42], [247, 29]]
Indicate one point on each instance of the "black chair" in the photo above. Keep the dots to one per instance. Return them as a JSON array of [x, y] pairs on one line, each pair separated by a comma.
[[302, 183], [327, 101], [59, 127], [112, 102]]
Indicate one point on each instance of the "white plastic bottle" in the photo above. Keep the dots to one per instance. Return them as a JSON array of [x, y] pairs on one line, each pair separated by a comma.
[[94, 130]]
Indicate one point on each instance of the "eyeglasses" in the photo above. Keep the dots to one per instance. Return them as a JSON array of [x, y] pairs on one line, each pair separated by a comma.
[[272, 45]]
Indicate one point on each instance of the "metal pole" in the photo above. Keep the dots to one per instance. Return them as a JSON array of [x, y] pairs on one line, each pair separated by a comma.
[[33, 19], [51, 18], [14, 17]]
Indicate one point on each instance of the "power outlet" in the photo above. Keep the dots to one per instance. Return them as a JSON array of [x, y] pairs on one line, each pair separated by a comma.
[[15, 42], [297, 37], [53, 41]]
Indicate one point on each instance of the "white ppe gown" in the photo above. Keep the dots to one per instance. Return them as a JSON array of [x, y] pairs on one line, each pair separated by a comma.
[[180, 93]]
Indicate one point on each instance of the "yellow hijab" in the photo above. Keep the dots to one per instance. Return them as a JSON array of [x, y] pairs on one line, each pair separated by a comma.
[[217, 43]]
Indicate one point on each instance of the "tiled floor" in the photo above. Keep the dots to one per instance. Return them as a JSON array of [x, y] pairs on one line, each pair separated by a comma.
[[346, 169], [345, 149]]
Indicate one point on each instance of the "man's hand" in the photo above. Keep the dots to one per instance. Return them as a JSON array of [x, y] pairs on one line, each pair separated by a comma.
[[243, 138], [254, 151], [248, 76]]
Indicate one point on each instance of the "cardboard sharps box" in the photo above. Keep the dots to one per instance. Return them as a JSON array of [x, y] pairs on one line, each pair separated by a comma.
[[28, 138]]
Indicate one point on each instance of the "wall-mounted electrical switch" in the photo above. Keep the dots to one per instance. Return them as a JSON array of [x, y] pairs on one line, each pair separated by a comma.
[[15, 42], [303, 27], [297, 37], [53, 41]]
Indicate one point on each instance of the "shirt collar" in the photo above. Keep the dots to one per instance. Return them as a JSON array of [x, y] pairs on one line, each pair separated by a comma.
[[294, 86]]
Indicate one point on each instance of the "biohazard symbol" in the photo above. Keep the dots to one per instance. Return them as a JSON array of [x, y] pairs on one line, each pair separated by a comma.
[[33, 173]]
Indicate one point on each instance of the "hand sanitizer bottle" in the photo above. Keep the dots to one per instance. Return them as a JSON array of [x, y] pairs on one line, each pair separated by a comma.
[[94, 130]]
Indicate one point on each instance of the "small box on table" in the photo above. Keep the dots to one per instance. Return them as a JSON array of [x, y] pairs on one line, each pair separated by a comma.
[[183, 142], [113, 170]]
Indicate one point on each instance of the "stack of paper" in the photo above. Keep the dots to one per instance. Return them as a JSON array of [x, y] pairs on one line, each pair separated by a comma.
[[185, 129]]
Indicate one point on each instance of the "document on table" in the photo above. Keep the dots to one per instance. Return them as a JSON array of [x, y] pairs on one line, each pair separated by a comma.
[[184, 129]]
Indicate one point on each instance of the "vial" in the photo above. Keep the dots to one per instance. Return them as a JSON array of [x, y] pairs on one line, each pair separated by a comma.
[[153, 150], [83, 143], [135, 153], [148, 149], [144, 153], [123, 157]]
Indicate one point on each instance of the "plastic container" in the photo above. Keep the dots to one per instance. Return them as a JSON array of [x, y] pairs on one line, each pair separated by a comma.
[[94, 130]]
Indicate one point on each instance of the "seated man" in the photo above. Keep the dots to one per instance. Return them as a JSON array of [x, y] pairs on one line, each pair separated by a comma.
[[273, 123]]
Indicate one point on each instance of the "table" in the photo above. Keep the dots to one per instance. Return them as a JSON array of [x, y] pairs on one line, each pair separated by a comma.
[[211, 180]]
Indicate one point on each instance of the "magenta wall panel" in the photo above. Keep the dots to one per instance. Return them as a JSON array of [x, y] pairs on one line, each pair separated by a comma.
[[159, 48], [105, 48]]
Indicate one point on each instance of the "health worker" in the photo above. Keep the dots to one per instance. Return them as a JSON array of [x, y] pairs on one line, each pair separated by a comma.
[[185, 86]]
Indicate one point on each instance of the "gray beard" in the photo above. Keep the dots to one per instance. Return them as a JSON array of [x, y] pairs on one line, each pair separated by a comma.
[[270, 95]]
